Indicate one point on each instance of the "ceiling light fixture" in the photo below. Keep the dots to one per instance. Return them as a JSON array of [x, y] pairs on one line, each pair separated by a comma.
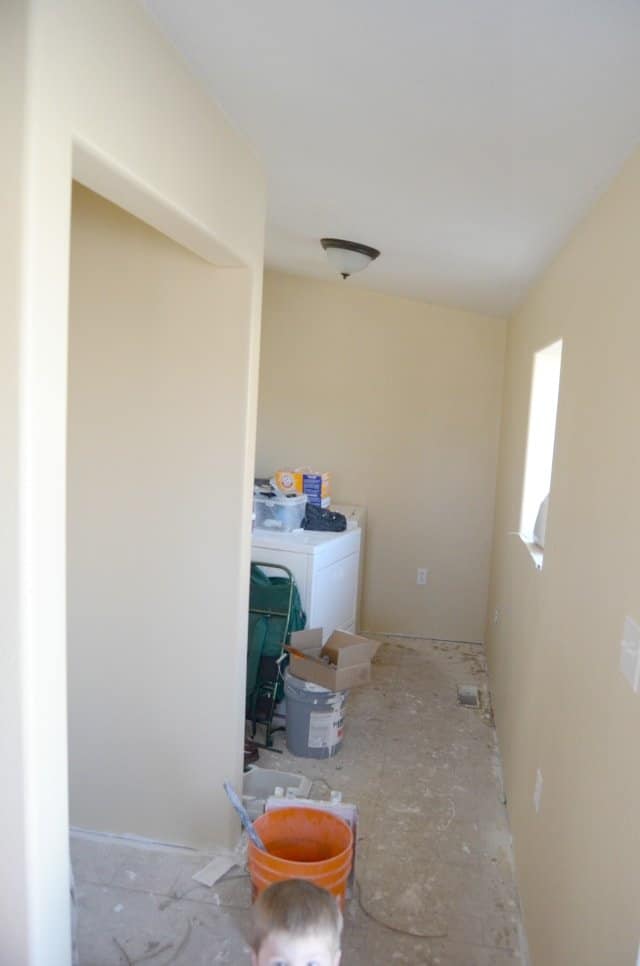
[[347, 256]]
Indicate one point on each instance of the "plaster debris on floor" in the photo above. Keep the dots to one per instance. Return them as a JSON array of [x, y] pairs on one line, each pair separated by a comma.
[[435, 878]]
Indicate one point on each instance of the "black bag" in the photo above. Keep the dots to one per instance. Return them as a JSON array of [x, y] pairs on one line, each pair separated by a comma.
[[316, 518]]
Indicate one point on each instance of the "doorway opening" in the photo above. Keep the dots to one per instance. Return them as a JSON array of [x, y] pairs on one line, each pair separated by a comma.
[[159, 340]]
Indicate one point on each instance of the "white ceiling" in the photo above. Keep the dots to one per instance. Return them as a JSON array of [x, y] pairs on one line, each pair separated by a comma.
[[464, 138]]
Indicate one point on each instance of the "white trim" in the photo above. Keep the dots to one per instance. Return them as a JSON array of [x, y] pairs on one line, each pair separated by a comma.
[[536, 552]]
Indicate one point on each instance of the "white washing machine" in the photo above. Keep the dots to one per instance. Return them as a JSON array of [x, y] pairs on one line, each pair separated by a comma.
[[326, 568]]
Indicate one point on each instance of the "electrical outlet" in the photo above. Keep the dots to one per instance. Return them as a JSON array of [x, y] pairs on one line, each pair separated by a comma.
[[496, 616], [422, 576], [537, 791]]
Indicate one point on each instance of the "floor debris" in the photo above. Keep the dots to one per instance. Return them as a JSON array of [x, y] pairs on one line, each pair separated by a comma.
[[435, 879], [215, 869]]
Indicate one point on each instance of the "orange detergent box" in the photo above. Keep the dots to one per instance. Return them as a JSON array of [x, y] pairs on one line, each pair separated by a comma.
[[288, 481]]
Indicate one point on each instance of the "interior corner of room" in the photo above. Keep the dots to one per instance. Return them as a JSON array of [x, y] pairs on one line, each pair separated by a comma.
[[406, 417], [153, 367]]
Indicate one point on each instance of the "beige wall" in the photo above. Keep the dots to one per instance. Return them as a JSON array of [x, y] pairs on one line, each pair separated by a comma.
[[95, 92], [14, 877], [400, 400], [561, 703], [154, 528]]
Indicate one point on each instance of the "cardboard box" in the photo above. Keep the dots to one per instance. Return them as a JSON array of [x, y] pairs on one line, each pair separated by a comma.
[[349, 658]]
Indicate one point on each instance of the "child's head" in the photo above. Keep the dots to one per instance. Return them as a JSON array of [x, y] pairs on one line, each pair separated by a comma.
[[295, 923]]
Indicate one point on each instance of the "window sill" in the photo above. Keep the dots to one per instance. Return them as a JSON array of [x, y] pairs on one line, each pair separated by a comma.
[[535, 552]]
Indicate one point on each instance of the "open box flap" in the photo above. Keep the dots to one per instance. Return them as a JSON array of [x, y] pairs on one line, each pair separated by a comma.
[[309, 640]]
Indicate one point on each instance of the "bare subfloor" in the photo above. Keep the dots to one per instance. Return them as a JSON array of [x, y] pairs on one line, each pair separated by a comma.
[[434, 860]]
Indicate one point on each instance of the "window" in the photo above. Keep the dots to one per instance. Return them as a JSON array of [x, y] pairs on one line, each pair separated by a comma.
[[540, 441]]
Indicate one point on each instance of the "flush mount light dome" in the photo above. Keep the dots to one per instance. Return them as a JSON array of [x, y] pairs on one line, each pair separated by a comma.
[[347, 256]]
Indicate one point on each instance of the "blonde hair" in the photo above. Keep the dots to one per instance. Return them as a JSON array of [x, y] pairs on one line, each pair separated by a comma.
[[296, 907]]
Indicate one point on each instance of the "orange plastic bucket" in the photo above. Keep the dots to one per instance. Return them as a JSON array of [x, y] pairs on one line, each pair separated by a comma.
[[302, 843]]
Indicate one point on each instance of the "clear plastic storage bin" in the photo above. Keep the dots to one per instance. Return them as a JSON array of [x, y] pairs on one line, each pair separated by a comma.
[[279, 512]]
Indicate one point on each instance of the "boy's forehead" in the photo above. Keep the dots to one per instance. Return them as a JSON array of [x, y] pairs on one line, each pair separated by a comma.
[[308, 944]]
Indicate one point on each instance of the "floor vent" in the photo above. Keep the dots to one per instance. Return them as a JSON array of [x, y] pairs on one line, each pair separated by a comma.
[[468, 696]]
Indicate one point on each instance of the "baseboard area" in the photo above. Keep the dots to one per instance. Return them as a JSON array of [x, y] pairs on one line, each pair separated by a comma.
[[419, 637]]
